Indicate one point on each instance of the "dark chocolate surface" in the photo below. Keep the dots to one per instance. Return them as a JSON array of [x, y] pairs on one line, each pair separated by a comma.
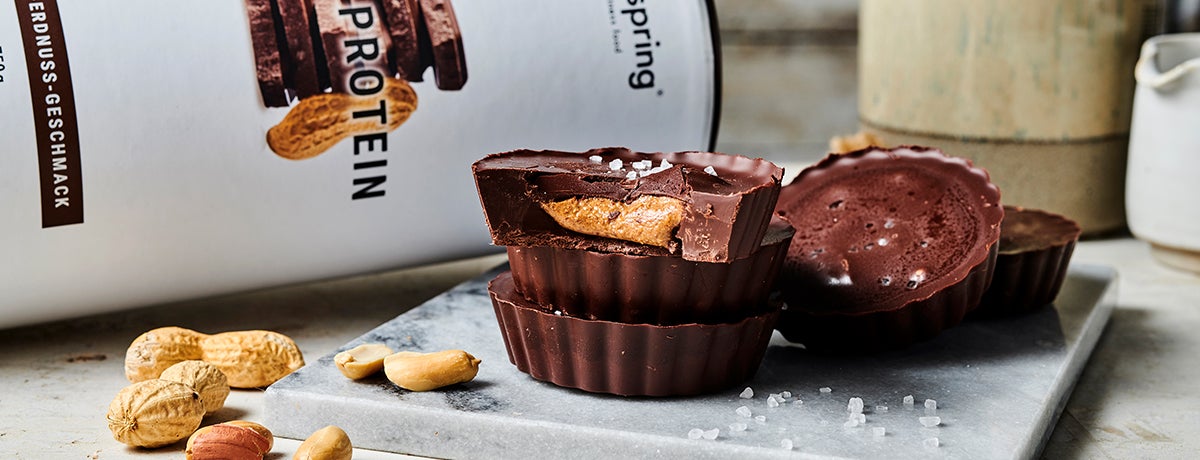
[[1032, 230], [628, 359], [725, 218], [649, 289], [267, 62], [879, 229], [449, 58]]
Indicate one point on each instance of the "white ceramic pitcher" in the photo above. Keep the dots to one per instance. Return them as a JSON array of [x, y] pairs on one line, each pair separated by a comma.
[[1163, 183]]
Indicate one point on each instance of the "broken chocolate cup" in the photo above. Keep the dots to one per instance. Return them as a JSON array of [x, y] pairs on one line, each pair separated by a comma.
[[660, 290], [1035, 250], [891, 247], [628, 359], [531, 198]]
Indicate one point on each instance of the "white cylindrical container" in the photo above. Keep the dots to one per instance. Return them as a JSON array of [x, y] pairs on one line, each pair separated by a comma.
[[153, 151], [1164, 150]]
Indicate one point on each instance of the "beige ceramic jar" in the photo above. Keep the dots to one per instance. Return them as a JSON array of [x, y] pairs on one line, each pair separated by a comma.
[[1038, 92]]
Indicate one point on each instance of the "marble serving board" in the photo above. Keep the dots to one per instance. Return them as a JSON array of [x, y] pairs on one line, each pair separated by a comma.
[[999, 387]]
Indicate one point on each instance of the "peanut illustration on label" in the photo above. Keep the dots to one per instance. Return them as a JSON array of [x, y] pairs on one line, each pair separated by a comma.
[[370, 51], [317, 123]]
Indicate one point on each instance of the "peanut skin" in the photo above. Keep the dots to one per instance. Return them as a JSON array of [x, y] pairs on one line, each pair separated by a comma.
[[157, 349], [203, 377], [252, 359], [318, 122], [248, 359], [428, 371], [224, 441], [154, 413]]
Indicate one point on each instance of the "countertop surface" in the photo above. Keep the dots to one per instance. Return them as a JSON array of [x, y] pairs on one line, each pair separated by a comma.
[[1137, 396]]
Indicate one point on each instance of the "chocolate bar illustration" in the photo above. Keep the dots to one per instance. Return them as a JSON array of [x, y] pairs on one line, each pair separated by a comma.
[[307, 47]]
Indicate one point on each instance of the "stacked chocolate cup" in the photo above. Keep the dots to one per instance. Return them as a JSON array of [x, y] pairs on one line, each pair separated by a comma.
[[639, 274]]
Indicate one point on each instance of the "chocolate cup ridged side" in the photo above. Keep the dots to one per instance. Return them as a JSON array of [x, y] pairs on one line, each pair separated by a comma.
[[628, 359], [889, 329], [1025, 282], [838, 315], [630, 289]]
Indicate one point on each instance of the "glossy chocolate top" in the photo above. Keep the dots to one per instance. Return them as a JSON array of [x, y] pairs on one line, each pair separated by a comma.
[[728, 198], [878, 229], [1025, 230], [606, 173]]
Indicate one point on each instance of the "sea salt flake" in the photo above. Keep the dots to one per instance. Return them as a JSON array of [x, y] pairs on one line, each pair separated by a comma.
[[881, 409], [640, 165], [665, 164], [712, 434], [930, 404], [616, 164], [743, 411], [797, 403], [852, 423], [747, 393], [879, 431], [785, 395], [882, 242], [786, 444], [695, 433], [631, 175], [595, 159], [760, 419], [860, 417], [932, 442], [930, 422], [916, 279], [908, 400], [709, 169], [772, 402], [738, 427], [843, 280], [826, 390], [855, 405], [889, 223]]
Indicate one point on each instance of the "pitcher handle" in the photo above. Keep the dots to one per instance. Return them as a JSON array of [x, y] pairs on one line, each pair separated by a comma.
[[1146, 72]]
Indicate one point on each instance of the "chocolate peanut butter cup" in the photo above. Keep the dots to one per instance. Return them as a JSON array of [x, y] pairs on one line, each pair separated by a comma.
[[891, 247], [701, 206], [628, 359], [1035, 250], [660, 290]]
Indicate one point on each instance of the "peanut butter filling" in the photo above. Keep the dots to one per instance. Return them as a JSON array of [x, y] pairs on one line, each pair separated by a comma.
[[648, 219]]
